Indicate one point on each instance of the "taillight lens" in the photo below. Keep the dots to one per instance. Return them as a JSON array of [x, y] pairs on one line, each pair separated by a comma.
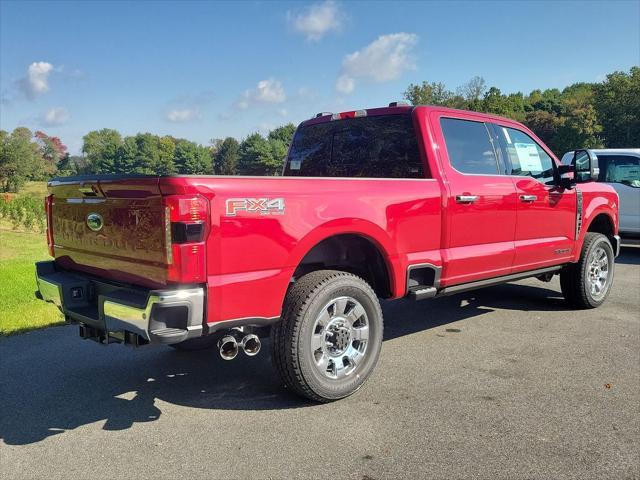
[[48, 209], [186, 228]]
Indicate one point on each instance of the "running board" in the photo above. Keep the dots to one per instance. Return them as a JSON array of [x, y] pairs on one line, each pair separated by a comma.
[[489, 282], [421, 292]]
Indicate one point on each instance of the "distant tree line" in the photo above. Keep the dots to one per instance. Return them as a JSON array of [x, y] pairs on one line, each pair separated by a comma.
[[583, 115]]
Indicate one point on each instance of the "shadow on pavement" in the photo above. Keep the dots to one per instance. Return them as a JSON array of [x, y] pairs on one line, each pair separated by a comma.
[[629, 255], [52, 381]]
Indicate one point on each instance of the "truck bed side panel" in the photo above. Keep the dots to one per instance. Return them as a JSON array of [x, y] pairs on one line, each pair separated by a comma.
[[253, 254]]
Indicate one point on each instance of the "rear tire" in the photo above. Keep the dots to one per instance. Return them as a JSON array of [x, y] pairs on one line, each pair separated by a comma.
[[587, 284], [329, 339]]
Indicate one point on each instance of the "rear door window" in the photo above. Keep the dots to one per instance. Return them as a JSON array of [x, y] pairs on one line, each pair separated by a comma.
[[469, 146], [381, 146]]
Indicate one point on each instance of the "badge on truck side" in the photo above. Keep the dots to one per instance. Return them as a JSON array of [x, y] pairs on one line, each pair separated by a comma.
[[258, 206]]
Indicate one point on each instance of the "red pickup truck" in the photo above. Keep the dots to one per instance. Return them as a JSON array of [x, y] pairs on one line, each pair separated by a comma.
[[388, 203]]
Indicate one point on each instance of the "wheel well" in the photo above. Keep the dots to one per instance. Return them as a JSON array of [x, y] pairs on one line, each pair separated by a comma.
[[602, 224], [350, 253]]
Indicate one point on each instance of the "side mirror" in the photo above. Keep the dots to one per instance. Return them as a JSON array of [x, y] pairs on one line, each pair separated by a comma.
[[567, 175], [586, 165]]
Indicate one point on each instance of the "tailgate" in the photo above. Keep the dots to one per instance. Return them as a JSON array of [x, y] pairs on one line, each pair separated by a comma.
[[110, 226]]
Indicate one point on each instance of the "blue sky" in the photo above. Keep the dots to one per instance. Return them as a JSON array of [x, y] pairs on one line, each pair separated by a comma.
[[203, 70]]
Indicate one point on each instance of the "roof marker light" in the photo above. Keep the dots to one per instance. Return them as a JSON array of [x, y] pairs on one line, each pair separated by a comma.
[[351, 114], [398, 104]]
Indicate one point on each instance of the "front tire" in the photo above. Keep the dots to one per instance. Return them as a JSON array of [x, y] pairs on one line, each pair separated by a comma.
[[329, 339], [587, 284]]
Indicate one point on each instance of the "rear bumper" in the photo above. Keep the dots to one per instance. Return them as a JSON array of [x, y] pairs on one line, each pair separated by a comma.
[[115, 313]]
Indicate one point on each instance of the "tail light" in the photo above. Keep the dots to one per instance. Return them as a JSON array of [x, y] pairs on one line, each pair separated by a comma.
[[48, 209], [187, 224]]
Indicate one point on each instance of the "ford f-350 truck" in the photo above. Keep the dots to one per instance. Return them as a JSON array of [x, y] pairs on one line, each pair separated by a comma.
[[386, 203]]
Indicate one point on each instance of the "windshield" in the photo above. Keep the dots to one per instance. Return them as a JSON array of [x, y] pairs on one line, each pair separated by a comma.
[[382, 146]]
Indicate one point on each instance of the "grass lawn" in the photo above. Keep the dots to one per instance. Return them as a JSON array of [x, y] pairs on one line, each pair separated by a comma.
[[34, 189], [19, 309]]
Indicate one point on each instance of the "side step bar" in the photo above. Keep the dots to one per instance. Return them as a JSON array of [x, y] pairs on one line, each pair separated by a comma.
[[422, 292], [489, 282]]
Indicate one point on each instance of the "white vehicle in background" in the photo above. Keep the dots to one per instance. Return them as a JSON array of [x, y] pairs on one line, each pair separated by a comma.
[[620, 168]]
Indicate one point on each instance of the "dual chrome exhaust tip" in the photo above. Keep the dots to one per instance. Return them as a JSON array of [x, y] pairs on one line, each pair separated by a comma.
[[231, 344]]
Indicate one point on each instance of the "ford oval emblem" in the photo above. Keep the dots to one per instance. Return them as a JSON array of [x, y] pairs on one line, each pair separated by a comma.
[[95, 222]]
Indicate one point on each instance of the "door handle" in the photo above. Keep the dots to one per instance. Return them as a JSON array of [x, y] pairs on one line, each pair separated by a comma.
[[528, 198], [466, 198]]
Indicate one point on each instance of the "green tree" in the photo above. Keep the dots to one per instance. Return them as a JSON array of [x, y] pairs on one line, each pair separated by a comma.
[[226, 157], [617, 103], [283, 133], [101, 150], [66, 166], [167, 149], [126, 158], [191, 158], [147, 154], [434, 93], [473, 90], [19, 158], [259, 156]]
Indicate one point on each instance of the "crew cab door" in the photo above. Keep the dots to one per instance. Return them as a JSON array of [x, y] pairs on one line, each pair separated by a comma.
[[480, 205], [546, 212]]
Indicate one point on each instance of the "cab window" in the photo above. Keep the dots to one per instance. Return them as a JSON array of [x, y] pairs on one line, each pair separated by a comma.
[[525, 156], [623, 169], [469, 146]]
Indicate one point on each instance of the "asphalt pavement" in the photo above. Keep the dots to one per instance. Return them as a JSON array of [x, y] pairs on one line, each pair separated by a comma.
[[504, 382]]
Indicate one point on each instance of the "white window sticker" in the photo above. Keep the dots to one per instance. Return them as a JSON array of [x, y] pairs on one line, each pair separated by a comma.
[[295, 164], [506, 135], [528, 157]]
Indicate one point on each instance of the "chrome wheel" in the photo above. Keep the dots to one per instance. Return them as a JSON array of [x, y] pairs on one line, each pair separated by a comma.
[[340, 337], [598, 272]]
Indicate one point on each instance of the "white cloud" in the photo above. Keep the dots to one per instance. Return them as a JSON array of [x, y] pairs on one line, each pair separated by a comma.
[[267, 91], [182, 115], [345, 84], [316, 20], [55, 117], [36, 82], [384, 59]]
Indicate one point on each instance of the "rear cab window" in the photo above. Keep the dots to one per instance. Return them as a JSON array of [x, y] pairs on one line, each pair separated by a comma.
[[469, 146], [379, 146]]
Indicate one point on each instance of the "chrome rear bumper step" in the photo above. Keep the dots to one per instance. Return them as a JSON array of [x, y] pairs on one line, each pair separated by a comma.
[[111, 313]]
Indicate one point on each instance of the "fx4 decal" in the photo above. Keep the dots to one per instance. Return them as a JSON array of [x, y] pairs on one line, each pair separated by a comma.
[[258, 206]]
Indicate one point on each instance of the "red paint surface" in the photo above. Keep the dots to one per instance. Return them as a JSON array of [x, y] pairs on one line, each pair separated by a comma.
[[249, 258]]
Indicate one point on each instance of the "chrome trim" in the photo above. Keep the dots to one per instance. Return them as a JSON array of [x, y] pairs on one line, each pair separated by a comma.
[[117, 308], [139, 318], [213, 327], [466, 198], [436, 275], [50, 292], [578, 212], [489, 282]]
